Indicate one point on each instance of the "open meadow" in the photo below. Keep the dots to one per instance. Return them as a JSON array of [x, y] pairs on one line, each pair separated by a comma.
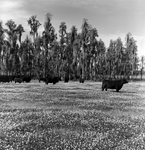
[[71, 116]]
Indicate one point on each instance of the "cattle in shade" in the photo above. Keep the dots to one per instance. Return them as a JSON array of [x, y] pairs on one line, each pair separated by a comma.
[[81, 80], [53, 80], [4, 78], [18, 80], [11, 78], [26, 79], [66, 79], [113, 84], [41, 79]]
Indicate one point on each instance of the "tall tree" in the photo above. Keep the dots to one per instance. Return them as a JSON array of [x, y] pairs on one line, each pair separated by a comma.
[[100, 59], [26, 54], [49, 38], [91, 50], [84, 39], [11, 32], [110, 57], [73, 50], [20, 31], [131, 50], [62, 33], [63, 44], [12, 52], [118, 57], [38, 53], [142, 66], [1, 45], [34, 25]]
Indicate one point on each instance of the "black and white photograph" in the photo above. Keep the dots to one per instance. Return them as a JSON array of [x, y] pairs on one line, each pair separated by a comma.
[[72, 74]]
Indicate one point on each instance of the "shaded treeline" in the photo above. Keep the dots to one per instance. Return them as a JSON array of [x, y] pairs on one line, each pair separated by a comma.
[[74, 56]]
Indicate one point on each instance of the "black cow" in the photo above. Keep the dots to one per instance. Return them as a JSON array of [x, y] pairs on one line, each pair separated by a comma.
[[26, 79], [53, 80], [19, 80], [11, 78], [42, 79], [113, 84], [81, 80], [66, 79], [4, 78]]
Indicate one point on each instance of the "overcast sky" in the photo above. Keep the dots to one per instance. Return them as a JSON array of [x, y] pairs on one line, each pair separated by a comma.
[[112, 18]]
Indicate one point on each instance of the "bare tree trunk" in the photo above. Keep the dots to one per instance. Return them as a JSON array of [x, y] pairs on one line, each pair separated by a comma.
[[83, 63], [141, 72], [91, 69], [0, 64], [110, 67], [142, 62]]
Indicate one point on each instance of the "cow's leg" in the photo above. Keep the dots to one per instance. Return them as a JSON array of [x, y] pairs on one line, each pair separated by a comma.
[[117, 88], [102, 88], [46, 82]]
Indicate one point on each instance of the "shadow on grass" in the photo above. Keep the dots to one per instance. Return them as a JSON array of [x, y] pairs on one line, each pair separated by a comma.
[[107, 106], [125, 92], [121, 92]]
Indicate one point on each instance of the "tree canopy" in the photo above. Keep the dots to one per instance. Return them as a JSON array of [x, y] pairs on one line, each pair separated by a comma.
[[75, 55]]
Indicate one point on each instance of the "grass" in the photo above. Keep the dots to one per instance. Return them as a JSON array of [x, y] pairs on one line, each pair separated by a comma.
[[71, 116]]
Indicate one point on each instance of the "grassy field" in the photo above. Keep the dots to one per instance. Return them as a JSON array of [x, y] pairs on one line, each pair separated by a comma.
[[71, 116]]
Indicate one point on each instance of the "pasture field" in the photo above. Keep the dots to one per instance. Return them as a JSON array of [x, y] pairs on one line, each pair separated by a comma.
[[71, 116]]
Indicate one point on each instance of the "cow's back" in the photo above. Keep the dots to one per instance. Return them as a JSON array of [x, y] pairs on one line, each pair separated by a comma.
[[113, 84]]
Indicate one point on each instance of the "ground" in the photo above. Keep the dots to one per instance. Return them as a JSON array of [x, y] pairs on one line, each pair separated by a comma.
[[71, 116]]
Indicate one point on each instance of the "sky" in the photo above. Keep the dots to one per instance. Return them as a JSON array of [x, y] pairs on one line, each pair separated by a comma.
[[111, 18]]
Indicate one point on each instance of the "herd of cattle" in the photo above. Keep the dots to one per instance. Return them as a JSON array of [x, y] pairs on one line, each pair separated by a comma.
[[27, 79], [106, 84], [49, 79], [16, 79]]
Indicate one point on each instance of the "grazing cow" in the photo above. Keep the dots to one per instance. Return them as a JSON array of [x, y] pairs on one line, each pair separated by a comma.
[[81, 80], [66, 79], [113, 84], [56, 80], [11, 78], [41, 79], [53, 80], [19, 80], [26, 79]]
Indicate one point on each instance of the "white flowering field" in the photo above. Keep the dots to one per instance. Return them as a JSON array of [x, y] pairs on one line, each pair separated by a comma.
[[71, 116]]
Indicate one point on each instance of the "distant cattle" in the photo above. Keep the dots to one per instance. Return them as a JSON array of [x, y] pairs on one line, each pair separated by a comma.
[[53, 80], [26, 79], [19, 80], [41, 79], [81, 80], [66, 79], [113, 84], [4, 78], [11, 78]]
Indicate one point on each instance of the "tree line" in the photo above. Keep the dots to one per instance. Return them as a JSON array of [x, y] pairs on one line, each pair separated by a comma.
[[74, 55]]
